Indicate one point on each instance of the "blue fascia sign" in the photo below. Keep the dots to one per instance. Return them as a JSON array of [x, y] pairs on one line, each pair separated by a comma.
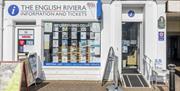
[[13, 10], [99, 9], [131, 13]]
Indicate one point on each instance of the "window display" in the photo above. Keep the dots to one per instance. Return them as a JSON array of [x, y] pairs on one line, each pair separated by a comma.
[[72, 44]]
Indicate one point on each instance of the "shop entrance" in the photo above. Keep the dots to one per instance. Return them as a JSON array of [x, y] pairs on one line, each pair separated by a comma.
[[24, 41], [173, 47], [132, 54], [131, 47]]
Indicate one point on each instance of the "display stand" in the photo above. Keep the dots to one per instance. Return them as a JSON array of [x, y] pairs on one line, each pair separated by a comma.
[[13, 75]]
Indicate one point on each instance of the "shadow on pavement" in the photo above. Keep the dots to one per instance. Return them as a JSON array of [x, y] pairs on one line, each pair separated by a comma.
[[38, 86], [160, 88], [178, 72]]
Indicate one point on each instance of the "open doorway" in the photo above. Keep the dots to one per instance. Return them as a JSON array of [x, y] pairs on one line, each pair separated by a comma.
[[130, 47], [173, 49]]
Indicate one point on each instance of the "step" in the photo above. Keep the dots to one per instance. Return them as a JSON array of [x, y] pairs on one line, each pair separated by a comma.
[[134, 81], [138, 89]]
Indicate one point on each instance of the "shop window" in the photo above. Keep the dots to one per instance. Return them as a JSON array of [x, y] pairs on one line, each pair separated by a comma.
[[72, 44]]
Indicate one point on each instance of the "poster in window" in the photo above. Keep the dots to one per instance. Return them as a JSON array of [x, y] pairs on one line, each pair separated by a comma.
[[28, 48], [64, 58], [55, 50], [92, 50], [97, 38], [55, 43], [74, 46], [74, 42], [83, 51], [46, 41], [125, 49], [95, 27], [26, 34], [55, 35], [48, 27], [83, 43], [64, 35], [90, 42], [64, 44], [65, 29], [83, 58], [74, 29], [73, 35], [73, 57], [92, 58], [83, 29], [56, 28], [47, 55], [92, 35], [55, 58], [97, 51], [29, 42], [64, 52], [83, 35], [74, 49]]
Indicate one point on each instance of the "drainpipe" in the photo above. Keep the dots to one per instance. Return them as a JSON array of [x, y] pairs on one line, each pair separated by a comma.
[[1, 29]]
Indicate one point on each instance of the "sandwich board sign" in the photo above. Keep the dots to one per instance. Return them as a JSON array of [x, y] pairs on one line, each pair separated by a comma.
[[11, 76]]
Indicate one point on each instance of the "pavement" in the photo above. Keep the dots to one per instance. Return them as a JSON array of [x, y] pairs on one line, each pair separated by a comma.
[[56, 85], [177, 82], [68, 86]]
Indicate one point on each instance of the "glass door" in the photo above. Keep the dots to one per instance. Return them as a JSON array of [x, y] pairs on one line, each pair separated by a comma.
[[130, 47]]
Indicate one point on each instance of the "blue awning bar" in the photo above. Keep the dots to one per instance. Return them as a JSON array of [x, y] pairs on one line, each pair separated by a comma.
[[99, 9]]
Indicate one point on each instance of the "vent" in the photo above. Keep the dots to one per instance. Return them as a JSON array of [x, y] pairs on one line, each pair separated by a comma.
[[25, 23]]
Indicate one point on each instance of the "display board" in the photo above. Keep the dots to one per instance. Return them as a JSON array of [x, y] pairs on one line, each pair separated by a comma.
[[31, 69], [72, 44], [11, 76]]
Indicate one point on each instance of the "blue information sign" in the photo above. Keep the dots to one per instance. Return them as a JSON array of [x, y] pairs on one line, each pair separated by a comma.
[[13, 10], [131, 13]]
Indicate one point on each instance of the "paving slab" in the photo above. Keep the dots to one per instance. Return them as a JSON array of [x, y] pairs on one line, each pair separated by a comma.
[[68, 86], [89, 85]]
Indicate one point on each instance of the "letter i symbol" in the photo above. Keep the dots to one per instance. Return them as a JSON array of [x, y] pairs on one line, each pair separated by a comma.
[[13, 10]]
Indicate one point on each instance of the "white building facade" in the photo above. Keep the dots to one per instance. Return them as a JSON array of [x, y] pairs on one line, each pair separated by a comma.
[[72, 38]]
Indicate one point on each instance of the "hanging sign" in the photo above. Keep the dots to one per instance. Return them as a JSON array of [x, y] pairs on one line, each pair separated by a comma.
[[161, 22]]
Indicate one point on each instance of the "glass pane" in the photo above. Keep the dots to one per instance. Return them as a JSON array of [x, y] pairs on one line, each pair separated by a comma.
[[72, 44]]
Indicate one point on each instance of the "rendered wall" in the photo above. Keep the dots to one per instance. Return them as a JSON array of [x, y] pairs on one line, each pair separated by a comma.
[[1, 27]]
